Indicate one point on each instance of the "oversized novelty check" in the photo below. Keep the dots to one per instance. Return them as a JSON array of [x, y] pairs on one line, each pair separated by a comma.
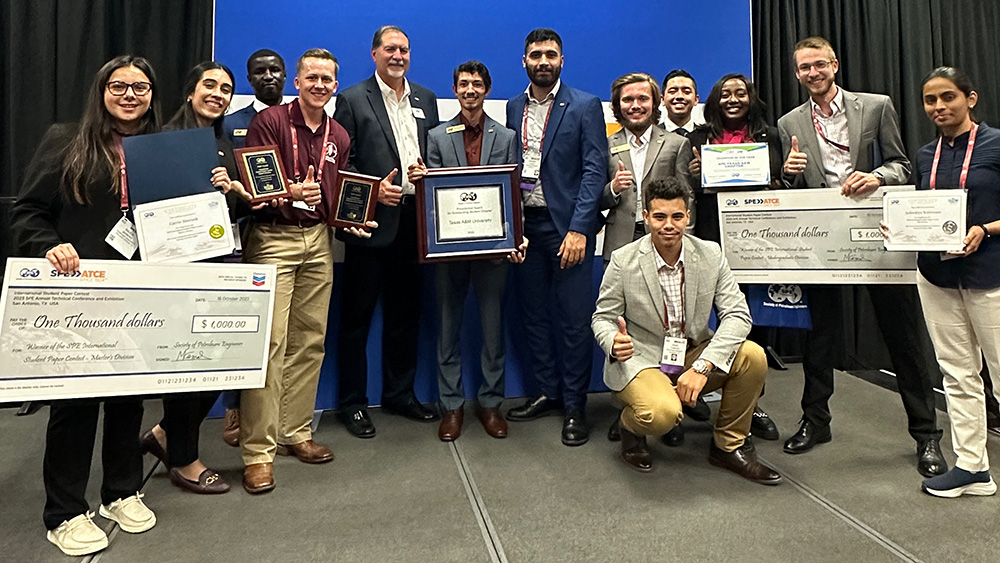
[[129, 328], [809, 236]]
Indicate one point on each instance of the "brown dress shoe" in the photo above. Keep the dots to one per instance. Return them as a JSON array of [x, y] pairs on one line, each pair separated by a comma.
[[635, 451], [308, 452], [231, 427], [258, 478], [743, 462], [492, 422], [451, 425]]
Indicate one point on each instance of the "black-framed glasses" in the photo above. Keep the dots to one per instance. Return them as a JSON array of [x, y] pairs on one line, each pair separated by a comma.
[[820, 65], [118, 88]]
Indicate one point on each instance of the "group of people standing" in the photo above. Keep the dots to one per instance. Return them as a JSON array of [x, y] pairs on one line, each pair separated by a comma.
[[659, 287]]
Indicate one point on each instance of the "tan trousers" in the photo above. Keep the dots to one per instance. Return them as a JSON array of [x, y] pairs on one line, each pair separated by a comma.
[[280, 412], [652, 406]]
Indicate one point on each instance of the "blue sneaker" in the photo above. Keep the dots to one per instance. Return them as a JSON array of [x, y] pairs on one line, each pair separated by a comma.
[[958, 482]]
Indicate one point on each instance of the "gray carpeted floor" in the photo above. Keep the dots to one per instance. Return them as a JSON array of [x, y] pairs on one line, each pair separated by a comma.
[[405, 496]]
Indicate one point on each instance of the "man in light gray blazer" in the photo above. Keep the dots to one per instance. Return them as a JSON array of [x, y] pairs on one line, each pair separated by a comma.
[[471, 138], [662, 287]]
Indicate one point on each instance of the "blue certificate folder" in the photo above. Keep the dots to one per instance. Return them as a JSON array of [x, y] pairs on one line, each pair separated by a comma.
[[170, 164]]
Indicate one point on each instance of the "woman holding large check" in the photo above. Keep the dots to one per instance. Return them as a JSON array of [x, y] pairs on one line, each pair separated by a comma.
[[73, 205], [960, 290]]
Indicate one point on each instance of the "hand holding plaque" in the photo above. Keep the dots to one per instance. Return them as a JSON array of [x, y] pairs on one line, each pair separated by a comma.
[[262, 173], [354, 199]]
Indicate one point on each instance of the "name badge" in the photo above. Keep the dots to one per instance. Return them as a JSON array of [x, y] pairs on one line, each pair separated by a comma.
[[418, 113], [532, 165], [672, 358], [123, 238], [455, 128], [239, 132], [618, 149]]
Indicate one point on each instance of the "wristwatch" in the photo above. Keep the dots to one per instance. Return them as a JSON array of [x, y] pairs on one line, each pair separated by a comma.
[[701, 366], [986, 232], [881, 178]]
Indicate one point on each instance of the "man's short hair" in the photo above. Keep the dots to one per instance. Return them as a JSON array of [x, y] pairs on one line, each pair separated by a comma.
[[318, 53], [667, 188], [377, 39], [634, 78], [473, 67], [261, 53], [815, 42], [683, 74], [542, 34]]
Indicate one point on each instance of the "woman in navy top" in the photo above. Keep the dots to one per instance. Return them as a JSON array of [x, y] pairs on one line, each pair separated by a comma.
[[960, 291]]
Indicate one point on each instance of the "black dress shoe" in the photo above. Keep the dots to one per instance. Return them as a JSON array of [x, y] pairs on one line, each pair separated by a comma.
[[411, 409], [930, 462], [700, 411], [358, 423], [615, 432], [535, 408], [575, 431], [762, 426], [808, 436], [635, 452], [675, 437], [743, 462]]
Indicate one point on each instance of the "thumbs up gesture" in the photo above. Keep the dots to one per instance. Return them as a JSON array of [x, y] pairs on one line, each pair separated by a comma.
[[416, 171], [623, 179], [308, 190], [389, 193], [694, 167], [796, 161], [621, 347]]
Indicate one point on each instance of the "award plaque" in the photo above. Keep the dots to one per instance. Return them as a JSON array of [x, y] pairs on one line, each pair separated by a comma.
[[468, 213], [262, 173], [354, 200]]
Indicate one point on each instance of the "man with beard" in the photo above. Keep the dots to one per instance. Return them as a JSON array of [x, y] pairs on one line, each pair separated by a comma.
[[851, 141], [266, 75], [680, 96], [564, 169]]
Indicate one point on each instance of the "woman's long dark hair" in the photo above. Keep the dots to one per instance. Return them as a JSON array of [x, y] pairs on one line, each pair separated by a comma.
[[93, 147], [755, 113], [185, 117]]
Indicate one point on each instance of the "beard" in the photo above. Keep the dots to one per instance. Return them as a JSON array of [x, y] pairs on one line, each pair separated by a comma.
[[544, 81]]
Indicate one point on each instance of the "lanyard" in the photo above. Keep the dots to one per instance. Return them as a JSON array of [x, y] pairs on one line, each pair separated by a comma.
[[123, 176], [666, 315], [295, 147], [819, 131], [524, 124], [965, 164]]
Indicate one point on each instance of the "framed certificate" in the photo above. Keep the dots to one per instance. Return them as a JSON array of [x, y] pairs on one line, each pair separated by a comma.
[[925, 220], [735, 166], [262, 173], [354, 199], [468, 213]]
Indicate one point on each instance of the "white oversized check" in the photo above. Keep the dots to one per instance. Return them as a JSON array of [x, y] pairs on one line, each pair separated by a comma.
[[184, 229], [809, 236], [925, 220], [129, 328], [735, 166]]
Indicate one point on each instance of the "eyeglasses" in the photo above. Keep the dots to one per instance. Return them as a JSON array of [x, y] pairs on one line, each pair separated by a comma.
[[818, 65], [118, 88]]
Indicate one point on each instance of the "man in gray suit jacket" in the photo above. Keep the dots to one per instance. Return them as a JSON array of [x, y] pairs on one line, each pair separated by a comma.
[[851, 141], [652, 319], [471, 138]]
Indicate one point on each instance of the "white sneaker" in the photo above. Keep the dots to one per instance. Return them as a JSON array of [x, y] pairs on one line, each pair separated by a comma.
[[130, 513], [79, 536]]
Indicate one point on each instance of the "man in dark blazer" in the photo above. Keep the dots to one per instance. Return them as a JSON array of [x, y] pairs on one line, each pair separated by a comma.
[[387, 118], [564, 168], [266, 75], [851, 141]]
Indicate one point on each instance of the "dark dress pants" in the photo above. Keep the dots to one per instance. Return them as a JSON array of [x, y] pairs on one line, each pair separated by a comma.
[[183, 414], [394, 274], [556, 306], [898, 313], [69, 449]]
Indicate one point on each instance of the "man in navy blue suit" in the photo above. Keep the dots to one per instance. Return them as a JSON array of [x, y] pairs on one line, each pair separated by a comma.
[[564, 168], [266, 75]]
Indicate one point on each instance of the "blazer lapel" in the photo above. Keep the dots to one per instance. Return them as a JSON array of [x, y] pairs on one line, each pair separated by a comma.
[[692, 265], [489, 136], [457, 142], [378, 107], [559, 107], [653, 151], [807, 138], [647, 264], [620, 139], [422, 124], [855, 124]]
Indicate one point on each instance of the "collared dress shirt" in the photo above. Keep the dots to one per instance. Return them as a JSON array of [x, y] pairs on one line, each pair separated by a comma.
[[538, 112], [836, 162], [672, 283], [472, 139], [404, 128]]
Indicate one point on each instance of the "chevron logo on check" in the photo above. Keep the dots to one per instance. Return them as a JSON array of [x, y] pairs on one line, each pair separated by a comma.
[[258, 279]]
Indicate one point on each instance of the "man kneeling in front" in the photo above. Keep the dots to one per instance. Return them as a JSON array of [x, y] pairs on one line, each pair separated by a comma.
[[652, 321]]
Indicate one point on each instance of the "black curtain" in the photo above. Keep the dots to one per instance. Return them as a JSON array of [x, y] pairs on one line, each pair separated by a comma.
[[51, 50]]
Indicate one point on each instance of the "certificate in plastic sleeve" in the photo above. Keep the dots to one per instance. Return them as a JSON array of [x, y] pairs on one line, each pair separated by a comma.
[[132, 328], [925, 220], [735, 166], [184, 229]]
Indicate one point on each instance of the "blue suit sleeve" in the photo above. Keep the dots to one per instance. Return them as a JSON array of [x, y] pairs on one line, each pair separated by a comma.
[[593, 147]]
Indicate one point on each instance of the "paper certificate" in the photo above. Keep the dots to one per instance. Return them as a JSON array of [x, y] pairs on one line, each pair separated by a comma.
[[184, 229], [474, 213], [127, 328], [735, 166], [809, 236], [925, 220]]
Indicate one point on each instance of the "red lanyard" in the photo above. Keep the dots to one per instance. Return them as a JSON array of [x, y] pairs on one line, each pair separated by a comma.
[[295, 148], [666, 316], [524, 123], [965, 164], [124, 177], [819, 131]]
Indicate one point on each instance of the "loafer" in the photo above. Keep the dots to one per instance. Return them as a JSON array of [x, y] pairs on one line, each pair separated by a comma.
[[231, 427], [492, 422], [208, 483], [358, 423], [635, 452], [78, 536], [807, 437], [615, 432], [130, 513], [412, 410], [535, 408], [258, 478], [150, 445], [743, 462], [930, 461], [575, 431], [451, 425], [761, 426], [958, 482], [675, 437], [307, 452], [700, 411]]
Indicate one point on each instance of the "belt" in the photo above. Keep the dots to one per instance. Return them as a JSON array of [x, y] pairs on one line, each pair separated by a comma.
[[282, 221], [407, 199]]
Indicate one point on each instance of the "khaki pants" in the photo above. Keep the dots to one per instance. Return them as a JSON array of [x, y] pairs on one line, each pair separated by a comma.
[[652, 406], [280, 412]]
